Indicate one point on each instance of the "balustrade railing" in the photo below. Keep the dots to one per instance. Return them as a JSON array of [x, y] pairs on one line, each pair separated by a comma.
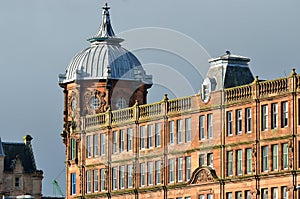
[[180, 104], [95, 120], [150, 110], [273, 86], [122, 115], [238, 93]]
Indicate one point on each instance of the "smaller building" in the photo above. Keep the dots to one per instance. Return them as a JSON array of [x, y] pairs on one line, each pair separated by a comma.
[[18, 172]]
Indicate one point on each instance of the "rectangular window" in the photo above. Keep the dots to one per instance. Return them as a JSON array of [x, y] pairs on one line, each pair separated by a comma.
[[264, 117], [157, 172], [142, 137], [274, 116], [73, 148], [89, 146], [209, 196], [248, 194], [102, 144], [239, 123], [171, 170], [157, 135], [187, 168], [285, 156], [96, 180], [129, 139], [228, 195], [201, 160], [249, 160], [188, 130], [122, 140], [17, 182], [265, 157], [95, 144], [238, 195], [115, 178], [275, 157], [285, 114], [229, 123], [150, 173], [201, 127], [88, 181], [179, 131], [115, 142], [102, 179], [239, 159], [210, 159], [210, 125], [264, 193], [129, 175], [171, 132], [201, 196], [274, 193], [142, 170], [150, 135], [285, 194], [122, 177], [179, 169], [229, 163], [73, 183], [248, 120]]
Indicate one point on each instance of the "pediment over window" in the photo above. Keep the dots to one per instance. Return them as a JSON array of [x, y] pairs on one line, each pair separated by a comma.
[[203, 175]]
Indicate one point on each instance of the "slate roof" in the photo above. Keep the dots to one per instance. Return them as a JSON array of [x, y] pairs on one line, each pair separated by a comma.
[[12, 151]]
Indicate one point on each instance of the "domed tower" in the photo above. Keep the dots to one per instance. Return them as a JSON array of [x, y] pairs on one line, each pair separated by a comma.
[[104, 75]]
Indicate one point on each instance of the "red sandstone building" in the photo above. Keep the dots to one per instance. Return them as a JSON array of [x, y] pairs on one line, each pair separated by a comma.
[[237, 139]]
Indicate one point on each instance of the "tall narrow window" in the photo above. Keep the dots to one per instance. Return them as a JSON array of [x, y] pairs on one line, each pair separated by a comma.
[[115, 142], [129, 139], [157, 171], [142, 175], [264, 117], [210, 159], [201, 127], [275, 157], [102, 179], [179, 169], [248, 194], [73, 183], [229, 195], [264, 193], [285, 156], [73, 148], [248, 120], [88, 181], [157, 135], [239, 159], [179, 131], [239, 121], [249, 160], [238, 195], [142, 137], [201, 196], [122, 140], [150, 173], [274, 116], [229, 123], [171, 170], [187, 168], [95, 145], [171, 132], [129, 175], [89, 146], [285, 114], [201, 160], [115, 178], [210, 196], [229, 163], [122, 177], [96, 180], [102, 144], [188, 130], [150, 135], [274, 193], [285, 194], [265, 157], [210, 131]]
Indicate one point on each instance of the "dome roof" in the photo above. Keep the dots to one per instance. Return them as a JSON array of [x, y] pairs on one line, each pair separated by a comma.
[[105, 58]]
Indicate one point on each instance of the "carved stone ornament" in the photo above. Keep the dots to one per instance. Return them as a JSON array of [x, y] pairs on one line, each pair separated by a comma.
[[290, 153], [72, 104], [94, 102], [203, 175]]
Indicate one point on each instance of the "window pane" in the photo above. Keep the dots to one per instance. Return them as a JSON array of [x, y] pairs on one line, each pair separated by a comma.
[[188, 129], [201, 127]]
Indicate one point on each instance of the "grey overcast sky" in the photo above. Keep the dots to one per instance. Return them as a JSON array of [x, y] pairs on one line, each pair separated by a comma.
[[38, 38]]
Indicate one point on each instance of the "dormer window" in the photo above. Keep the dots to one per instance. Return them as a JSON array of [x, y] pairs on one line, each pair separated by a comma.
[[205, 92]]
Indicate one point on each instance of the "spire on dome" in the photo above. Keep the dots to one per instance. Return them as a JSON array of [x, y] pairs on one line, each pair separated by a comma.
[[105, 31]]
